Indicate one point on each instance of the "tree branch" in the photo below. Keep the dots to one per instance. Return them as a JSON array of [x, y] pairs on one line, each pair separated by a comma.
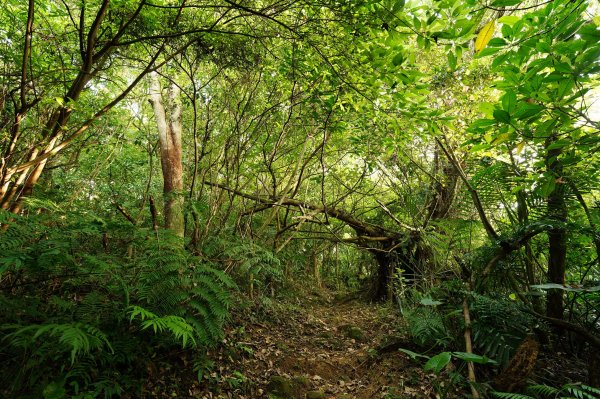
[[474, 195]]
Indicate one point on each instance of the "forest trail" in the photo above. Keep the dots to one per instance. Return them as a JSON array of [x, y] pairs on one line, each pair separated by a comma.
[[320, 349]]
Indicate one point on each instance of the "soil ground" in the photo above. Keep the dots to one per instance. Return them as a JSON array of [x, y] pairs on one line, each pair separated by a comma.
[[318, 348]]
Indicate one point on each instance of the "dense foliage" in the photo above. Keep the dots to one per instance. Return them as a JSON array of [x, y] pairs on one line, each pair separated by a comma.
[[163, 161]]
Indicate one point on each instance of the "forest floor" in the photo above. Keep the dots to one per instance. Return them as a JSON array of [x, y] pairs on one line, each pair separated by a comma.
[[317, 348]]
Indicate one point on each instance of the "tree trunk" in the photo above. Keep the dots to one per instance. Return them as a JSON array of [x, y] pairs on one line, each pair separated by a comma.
[[316, 270], [389, 263], [168, 123], [594, 368], [557, 236], [442, 189]]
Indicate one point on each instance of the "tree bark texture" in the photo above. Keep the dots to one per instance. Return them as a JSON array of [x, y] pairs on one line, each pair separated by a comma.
[[557, 236], [169, 126]]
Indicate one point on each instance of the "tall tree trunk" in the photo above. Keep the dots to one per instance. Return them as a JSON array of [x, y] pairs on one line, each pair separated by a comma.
[[168, 122], [557, 236]]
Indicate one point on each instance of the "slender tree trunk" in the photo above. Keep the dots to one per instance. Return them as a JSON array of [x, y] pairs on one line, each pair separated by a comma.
[[168, 122], [557, 236], [469, 348], [594, 368], [316, 270]]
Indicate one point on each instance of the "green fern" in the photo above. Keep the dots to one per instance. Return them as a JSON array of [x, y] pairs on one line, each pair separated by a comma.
[[68, 302], [573, 391], [250, 258], [79, 337], [426, 326], [508, 395], [174, 324], [498, 328], [576, 391], [581, 391]]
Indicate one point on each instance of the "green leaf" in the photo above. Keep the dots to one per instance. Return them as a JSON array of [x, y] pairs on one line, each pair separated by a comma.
[[558, 144], [413, 355], [499, 60], [471, 357], [487, 109], [497, 42], [452, 60], [398, 59], [501, 116], [509, 101], [590, 33], [505, 3], [488, 51], [562, 67], [438, 362], [548, 187], [427, 301], [573, 288], [527, 110], [509, 19], [398, 5]]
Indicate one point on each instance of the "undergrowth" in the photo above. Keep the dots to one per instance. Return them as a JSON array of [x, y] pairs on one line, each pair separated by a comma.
[[86, 302], [568, 391]]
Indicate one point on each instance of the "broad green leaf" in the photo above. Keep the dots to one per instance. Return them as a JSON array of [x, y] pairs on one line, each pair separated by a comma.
[[497, 42], [509, 101], [562, 67], [501, 116], [438, 362], [482, 124], [543, 47], [398, 59], [499, 60], [487, 108], [484, 36], [413, 355], [488, 51], [471, 357], [398, 5], [427, 301], [509, 19], [527, 110], [558, 144], [452, 60], [590, 33]]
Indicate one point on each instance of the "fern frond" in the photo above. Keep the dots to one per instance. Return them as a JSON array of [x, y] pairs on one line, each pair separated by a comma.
[[543, 390], [79, 337], [508, 395], [176, 325], [426, 326], [580, 391]]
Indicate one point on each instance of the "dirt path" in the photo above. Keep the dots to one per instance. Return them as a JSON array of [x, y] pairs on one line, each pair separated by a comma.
[[323, 349]]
